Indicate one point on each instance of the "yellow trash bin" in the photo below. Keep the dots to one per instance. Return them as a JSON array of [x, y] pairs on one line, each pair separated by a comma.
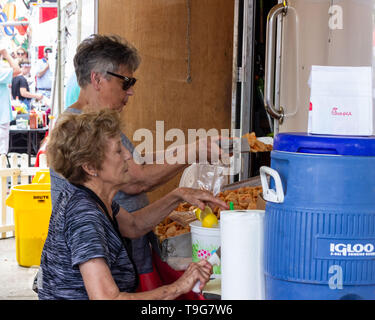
[[32, 211], [42, 176]]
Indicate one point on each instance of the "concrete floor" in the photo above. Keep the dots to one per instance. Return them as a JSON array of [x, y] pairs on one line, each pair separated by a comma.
[[15, 281]]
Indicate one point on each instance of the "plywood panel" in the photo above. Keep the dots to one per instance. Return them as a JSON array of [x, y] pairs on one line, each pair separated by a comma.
[[177, 39]]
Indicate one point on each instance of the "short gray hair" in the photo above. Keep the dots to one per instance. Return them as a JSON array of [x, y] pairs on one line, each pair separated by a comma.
[[102, 53]]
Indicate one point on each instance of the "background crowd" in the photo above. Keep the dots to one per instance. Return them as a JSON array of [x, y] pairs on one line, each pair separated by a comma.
[[21, 84]]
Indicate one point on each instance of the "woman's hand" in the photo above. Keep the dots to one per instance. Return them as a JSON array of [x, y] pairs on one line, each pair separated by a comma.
[[100, 284], [200, 198], [197, 271]]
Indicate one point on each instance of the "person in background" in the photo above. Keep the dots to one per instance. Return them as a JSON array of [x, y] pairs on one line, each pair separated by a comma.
[[104, 66], [20, 86], [44, 76], [72, 91], [21, 53], [87, 253], [8, 69]]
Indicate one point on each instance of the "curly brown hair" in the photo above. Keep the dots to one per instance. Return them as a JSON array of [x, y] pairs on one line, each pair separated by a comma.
[[79, 139]]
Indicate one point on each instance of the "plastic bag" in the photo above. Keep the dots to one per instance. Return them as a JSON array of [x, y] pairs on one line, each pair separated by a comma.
[[205, 176], [211, 177]]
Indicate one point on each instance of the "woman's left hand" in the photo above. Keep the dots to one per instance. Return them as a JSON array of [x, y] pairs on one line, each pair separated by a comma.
[[200, 198], [197, 271]]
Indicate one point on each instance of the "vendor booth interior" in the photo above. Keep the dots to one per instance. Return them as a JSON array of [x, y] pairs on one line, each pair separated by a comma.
[[293, 77]]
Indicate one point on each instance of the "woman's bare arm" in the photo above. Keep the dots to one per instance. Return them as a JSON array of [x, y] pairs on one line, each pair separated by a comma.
[[100, 284], [140, 222]]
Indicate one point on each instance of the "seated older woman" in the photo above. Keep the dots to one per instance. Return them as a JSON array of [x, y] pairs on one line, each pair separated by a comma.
[[87, 253]]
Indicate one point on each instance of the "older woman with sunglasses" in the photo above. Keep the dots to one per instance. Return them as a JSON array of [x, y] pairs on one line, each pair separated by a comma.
[[105, 67], [87, 251]]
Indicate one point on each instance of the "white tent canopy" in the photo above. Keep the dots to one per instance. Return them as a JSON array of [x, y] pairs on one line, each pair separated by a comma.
[[44, 34]]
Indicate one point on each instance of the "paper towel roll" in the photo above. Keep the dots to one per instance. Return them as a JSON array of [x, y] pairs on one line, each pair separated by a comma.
[[242, 274]]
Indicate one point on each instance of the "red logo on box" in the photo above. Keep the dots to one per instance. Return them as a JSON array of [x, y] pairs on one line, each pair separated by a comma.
[[335, 112]]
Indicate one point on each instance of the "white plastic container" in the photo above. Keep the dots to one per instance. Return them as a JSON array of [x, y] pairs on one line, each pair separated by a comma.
[[204, 242], [22, 124]]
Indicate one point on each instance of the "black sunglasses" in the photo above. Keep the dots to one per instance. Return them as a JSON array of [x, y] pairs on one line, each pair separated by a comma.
[[128, 82], [20, 53]]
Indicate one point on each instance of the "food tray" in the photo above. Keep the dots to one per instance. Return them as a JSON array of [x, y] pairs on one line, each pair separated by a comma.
[[180, 246], [252, 182]]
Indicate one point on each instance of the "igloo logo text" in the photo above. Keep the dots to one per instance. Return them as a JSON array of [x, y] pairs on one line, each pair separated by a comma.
[[349, 249]]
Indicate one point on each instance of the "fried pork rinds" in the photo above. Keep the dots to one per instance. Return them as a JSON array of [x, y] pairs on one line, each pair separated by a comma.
[[244, 198], [183, 206], [169, 228], [255, 144]]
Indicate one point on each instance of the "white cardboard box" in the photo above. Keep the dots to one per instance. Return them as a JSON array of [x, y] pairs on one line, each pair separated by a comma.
[[341, 101]]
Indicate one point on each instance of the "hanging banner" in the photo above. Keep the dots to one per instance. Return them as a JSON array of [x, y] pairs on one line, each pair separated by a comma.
[[46, 14], [22, 28], [9, 31], [44, 34], [10, 11]]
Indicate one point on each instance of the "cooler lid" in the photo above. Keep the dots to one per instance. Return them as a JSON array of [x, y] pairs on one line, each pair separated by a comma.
[[325, 144]]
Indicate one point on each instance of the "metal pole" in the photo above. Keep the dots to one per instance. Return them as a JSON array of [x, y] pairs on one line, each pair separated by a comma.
[[96, 18], [60, 41], [56, 78], [56, 110], [14, 23], [79, 21], [247, 71], [235, 66]]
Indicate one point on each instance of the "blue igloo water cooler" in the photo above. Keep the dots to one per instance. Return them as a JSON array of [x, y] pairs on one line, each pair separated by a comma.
[[320, 218]]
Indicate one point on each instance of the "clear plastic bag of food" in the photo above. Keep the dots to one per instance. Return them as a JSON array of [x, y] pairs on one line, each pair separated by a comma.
[[211, 177]]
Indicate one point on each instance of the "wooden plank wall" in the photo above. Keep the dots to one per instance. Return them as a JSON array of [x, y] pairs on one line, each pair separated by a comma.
[[177, 39]]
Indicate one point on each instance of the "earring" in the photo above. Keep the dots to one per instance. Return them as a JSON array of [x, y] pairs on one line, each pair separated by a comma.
[[95, 174]]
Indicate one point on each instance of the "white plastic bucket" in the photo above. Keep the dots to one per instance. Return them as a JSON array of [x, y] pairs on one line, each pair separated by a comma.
[[204, 242]]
